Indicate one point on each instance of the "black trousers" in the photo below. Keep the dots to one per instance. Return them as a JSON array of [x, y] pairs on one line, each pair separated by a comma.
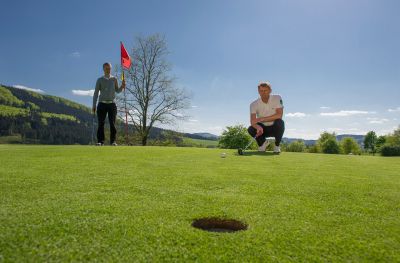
[[102, 110], [276, 131]]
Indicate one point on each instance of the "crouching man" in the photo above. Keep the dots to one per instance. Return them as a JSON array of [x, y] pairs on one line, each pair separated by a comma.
[[266, 118]]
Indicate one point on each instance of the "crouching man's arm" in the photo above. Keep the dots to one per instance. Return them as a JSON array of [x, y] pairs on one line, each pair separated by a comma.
[[278, 115], [253, 122]]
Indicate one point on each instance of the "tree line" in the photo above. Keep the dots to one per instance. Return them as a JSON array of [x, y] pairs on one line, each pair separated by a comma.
[[387, 145]]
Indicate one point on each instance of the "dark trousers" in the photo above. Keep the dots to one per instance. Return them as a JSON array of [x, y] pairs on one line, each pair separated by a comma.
[[276, 131], [102, 110]]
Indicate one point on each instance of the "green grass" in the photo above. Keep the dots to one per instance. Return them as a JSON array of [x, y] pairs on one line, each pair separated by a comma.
[[199, 142], [135, 204], [10, 139]]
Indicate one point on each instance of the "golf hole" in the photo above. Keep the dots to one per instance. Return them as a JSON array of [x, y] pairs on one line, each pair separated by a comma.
[[214, 224]]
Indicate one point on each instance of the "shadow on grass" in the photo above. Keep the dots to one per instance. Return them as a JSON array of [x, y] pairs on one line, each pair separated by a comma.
[[251, 153]]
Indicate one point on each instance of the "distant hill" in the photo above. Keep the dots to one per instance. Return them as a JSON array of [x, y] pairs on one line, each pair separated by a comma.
[[306, 142], [39, 118], [202, 136], [31, 117], [358, 138]]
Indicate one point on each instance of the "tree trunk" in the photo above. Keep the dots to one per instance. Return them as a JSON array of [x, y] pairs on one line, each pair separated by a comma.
[[144, 140]]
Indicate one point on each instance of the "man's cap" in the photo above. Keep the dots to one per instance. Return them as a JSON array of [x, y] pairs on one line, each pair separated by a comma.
[[264, 84]]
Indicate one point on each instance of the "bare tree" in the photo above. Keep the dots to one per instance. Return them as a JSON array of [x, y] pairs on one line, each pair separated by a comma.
[[151, 94]]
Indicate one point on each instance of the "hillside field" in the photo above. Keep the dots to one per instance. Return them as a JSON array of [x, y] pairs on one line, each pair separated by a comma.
[[137, 204]]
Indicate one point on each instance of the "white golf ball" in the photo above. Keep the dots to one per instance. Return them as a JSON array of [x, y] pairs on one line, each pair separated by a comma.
[[223, 155]]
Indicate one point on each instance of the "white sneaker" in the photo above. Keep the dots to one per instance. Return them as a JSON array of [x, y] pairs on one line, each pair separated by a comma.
[[277, 149], [264, 146], [114, 144], [99, 144]]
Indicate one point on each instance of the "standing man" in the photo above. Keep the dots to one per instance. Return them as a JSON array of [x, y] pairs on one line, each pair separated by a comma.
[[266, 118], [107, 85]]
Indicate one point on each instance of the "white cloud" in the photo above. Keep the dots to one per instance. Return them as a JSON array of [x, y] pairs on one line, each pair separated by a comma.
[[345, 113], [193, 106], [27, 88], [394, 110], [324, 108], [83, 92], [193, 120], [331, 130], [377, 121], [296, 115], [75, 54]]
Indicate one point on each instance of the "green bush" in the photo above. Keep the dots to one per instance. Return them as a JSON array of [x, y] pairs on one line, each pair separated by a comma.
[[330, 146], [349, 145], [390, 150], [234, 137], [296, 146], [313, 148]]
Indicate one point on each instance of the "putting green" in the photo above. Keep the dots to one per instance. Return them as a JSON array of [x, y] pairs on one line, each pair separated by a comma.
[[82, 203]]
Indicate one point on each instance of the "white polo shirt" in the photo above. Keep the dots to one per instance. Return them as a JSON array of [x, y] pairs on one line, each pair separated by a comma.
[[262, 109]]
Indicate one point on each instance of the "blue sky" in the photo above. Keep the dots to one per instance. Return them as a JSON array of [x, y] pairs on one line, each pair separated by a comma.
[[336, 64]]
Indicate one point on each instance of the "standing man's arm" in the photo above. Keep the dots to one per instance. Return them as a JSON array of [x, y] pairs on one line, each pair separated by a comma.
[[96, 95], [118, 90]]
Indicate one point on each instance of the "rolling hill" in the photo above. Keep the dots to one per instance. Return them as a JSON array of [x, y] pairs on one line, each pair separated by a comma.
[[35, 118]]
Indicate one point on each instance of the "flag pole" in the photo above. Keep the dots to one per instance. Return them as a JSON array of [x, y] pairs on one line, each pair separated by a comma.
[[126, 111]]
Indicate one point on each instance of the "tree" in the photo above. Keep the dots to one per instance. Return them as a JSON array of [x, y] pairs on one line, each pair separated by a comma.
[[152, 96], [328, 143], [349, 145], [393, 139], [234, 137], [370, 141], [331, 146], [380, 141]]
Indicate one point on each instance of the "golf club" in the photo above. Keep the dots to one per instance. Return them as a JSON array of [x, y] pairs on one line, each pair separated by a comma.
[[240, 150]]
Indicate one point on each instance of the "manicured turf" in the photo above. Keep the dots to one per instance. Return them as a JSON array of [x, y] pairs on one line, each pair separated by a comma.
[[83, 203], [200, 143]]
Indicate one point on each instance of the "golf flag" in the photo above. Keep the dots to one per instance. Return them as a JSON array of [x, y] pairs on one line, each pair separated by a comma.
[[125, 59], [126, 64]]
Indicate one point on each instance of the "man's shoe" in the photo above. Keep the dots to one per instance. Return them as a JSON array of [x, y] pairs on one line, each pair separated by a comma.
[[114, 144], [263, 146], [99, 144], [277, 149]]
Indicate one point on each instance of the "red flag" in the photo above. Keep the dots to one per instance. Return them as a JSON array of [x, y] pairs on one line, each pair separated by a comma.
[[125, 59]]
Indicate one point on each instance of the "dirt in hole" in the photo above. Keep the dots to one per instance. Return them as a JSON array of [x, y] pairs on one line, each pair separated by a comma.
[[214, 224]]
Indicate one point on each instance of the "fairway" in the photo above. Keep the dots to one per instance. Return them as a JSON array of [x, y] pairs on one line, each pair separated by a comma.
[[137, 204]]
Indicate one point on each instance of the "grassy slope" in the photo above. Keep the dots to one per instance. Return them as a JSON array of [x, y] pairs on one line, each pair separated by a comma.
[[137, 204]]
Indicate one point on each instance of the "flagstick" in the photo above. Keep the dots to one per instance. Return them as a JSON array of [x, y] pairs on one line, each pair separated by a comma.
[[126, 112]]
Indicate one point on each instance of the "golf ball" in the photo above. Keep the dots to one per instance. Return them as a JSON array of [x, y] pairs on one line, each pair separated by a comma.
[[223, 155]]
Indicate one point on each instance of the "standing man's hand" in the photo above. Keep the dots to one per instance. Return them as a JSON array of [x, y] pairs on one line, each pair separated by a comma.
[[123, 84], [260, 131], [94, 109]]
